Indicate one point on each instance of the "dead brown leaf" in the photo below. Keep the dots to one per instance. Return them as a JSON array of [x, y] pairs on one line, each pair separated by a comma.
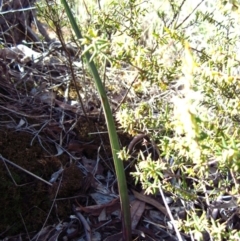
[[96, 210], [92, 166], [151, 201], [137, 209]]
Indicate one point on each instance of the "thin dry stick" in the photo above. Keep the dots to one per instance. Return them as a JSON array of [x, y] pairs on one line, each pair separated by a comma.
[[62, 41], [234, 178], [24, 224], [23, 114], [170, 214], [85, 224], [24, 170], [39, 132], [124, 97], [72, 70], [54, 200]]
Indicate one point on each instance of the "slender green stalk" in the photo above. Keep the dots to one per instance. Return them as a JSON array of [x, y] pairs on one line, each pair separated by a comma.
[[121, 178]]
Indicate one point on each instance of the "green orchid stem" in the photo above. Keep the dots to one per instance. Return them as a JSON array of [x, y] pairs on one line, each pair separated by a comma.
[[121, 178]]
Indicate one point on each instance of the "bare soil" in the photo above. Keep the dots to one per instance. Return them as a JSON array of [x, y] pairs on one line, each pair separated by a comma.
[[26, 202]]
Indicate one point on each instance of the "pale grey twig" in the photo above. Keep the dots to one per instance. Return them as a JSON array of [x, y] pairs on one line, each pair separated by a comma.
[[54, 200], [85, 224], [17, 10], [10, 174], [24, 170], [170, 214], [38, 132], [24, 224]]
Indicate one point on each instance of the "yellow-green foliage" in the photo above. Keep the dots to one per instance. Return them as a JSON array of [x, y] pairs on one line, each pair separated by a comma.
[[186, 93]]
